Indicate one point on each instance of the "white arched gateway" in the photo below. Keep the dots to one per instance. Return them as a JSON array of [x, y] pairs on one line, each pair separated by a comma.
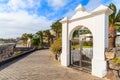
[[97, 22]]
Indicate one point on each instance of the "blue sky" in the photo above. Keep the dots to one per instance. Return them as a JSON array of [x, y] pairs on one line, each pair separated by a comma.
[[29, 16]]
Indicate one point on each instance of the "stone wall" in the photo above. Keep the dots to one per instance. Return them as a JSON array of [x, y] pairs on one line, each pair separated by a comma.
[[6, 51]]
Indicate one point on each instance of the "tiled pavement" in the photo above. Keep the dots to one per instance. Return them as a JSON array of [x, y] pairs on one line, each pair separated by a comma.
[[39, 65]]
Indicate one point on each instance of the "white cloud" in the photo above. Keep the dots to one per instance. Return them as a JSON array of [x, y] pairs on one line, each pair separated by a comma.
[[56, 4], [16, 20], [15, 24], [15, 5]]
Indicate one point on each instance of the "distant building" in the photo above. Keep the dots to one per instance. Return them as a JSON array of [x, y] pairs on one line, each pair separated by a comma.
[[87, 37], [52, 32]]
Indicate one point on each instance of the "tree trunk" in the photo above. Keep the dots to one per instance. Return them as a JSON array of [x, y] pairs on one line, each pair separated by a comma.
[[48, 41], [51, 40], [112, 36], [57, 35], [41, 40]]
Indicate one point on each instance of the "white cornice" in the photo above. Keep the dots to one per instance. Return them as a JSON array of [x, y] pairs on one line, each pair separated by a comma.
[[64, 20], [82, 14]]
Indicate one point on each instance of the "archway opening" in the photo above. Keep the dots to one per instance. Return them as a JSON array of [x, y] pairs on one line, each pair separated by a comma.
[[81, 48]]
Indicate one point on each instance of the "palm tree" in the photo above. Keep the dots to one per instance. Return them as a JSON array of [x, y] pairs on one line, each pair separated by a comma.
[[40, 33], [52, 39], [75, 34], [112, 29], [24, 37], [118, 17], [35, 41], [30, 36], [57, 28], [47, 34]]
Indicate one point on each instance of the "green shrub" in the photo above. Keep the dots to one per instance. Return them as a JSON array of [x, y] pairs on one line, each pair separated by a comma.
[[116, 60], [35, 41], [84, 43], [17, 52], [87, 43], [56, 47]]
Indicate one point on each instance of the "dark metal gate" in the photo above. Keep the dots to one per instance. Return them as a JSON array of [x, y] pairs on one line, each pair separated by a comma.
[[80, 59]]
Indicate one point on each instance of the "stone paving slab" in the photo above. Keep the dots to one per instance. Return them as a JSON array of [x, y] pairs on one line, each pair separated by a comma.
[[39, 65]]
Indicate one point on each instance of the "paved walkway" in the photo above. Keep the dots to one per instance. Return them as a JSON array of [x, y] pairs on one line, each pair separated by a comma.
[[40, 66]]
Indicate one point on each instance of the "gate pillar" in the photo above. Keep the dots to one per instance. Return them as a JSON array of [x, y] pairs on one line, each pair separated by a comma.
[[65, 57], [100, 42]]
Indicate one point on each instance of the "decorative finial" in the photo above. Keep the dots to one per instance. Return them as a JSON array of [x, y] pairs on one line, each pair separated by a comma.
[[80, 8]]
